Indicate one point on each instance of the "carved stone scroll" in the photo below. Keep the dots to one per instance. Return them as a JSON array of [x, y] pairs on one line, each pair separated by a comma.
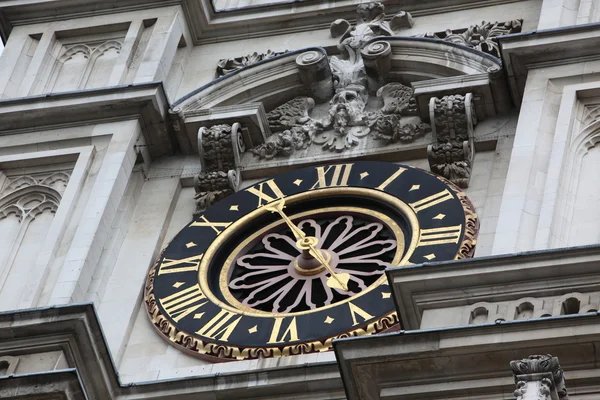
[[315, 74], [539, 377], [377, 58], [220, 148], [452, 152], [228, 65]]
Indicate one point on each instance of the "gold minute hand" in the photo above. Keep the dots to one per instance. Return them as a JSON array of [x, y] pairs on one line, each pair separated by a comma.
[[304, 242], [277, 206]]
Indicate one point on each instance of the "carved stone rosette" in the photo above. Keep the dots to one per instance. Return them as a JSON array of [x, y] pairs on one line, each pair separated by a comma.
[[452, 152], [219, 147], [539, 377]]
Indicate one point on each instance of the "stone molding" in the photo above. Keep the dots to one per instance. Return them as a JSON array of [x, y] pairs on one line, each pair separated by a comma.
[[75, 329], [487, 280], [539, 377], [208, 26], [465, 362], [521, 52], [146, 102]]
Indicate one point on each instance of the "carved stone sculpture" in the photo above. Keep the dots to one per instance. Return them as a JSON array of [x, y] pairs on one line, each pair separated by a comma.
[[480, 36], [539, 377], [451, 154], [370, 23], [289, 114], [228, 65], [219, 147]]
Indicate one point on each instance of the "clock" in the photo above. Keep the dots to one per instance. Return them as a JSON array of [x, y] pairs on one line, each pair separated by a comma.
[[286, 265]]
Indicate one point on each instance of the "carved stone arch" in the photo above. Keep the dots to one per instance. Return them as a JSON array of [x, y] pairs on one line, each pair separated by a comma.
[[276, 80], [583, 139], [71, 51], [18, 183], [46, 197], [27, 204], [56, 177], [94, 57]]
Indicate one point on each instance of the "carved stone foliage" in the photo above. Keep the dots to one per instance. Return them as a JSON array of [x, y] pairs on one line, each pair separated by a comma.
[[539, 377], [370, 23], [451, 154], [345, 122], [220, 147], [480, 36], [228, 65]]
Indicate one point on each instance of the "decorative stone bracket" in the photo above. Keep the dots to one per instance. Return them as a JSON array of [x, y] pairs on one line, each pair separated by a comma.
[[220, 148], [452, 152], [539, 378]]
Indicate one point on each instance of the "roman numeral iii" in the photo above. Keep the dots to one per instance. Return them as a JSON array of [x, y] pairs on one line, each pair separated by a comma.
[[434, 236]]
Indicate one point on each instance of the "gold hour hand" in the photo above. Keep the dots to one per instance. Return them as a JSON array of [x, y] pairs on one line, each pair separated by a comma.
[[303, 242]]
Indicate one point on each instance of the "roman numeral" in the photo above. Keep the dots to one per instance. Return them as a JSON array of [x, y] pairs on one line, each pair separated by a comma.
[[291, 331], [338, 177], [214, 225], [391, 178], [258, 191], [356, 310], [182, 303], [431, 201], [218, 327], [433, 236], [171, 266]]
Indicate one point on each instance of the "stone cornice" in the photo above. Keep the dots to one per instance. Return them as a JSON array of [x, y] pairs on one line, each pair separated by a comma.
[[75, 329], [467, 362], [208, 26], [454, 283], [521, 52], [146, 102]]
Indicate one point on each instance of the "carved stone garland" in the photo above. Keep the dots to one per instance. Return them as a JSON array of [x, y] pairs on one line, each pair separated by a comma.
[[220, 147], [451, 155], [539, 377]]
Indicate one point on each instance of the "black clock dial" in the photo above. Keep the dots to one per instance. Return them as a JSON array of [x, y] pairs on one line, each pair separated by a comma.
[[288, 264]]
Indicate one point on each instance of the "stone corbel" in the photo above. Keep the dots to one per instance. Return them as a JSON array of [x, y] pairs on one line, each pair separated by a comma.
[[452, 151], [539, 378], [220, 148], [316, 75]]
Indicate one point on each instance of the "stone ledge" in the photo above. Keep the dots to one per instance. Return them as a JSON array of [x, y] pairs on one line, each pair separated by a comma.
[[466, 362], [521, 52], [146, 102], [208, 26], [498, 278], [76, 329]]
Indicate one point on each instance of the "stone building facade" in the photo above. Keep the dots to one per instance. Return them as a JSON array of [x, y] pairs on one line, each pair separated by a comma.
[[121, 121]]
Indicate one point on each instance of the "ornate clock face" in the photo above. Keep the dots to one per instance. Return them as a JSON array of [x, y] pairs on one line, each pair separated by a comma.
[[285, 266]]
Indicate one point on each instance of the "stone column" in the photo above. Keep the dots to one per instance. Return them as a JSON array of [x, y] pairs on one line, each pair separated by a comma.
[[315, 74], [539, 378]]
